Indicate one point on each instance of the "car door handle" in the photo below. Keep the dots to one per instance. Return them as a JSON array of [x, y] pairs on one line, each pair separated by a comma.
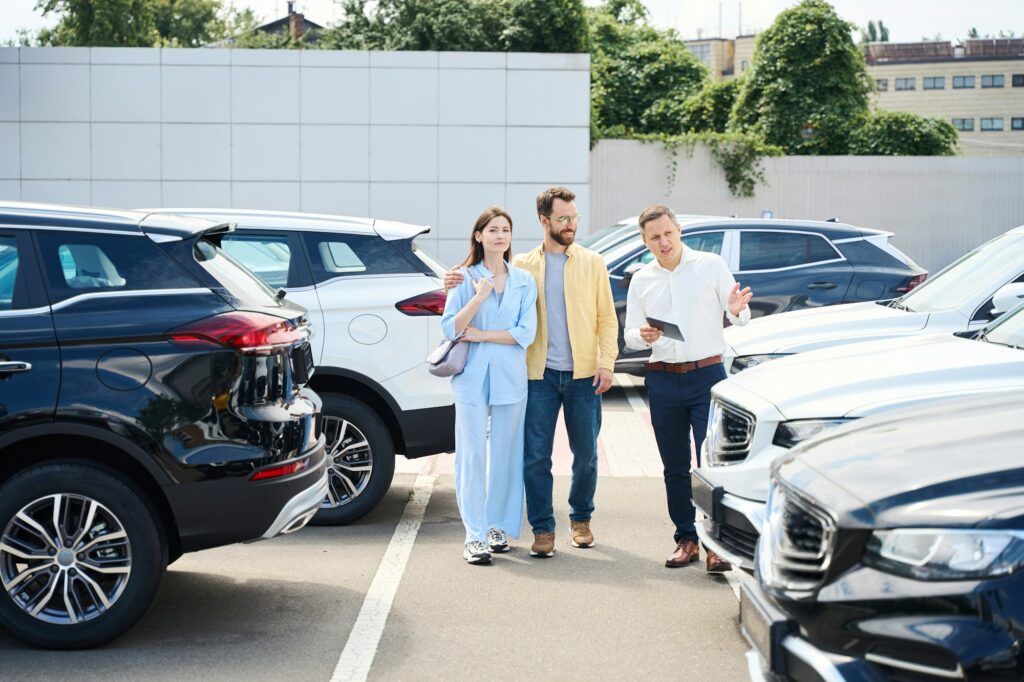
[[12, 367], [822, 285]]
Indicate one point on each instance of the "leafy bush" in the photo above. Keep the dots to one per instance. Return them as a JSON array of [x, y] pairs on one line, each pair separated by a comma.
[[898, 133]]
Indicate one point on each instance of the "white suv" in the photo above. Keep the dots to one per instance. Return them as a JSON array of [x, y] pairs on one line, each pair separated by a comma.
[[375, 301]]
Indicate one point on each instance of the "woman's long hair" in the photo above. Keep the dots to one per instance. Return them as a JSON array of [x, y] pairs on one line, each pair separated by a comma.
[[476, 249]]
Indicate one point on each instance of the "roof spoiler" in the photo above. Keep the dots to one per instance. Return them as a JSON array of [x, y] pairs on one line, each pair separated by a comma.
[[390, 230], [162, 227]]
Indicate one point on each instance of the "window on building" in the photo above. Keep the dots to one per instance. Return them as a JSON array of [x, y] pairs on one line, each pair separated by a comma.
[[991, 124], [702, 52], [1017, 123], [963, 124], [882, 84], [1018, 80], [744, 65], [906, 83], [960, 82], [992, 81], [935, 83]]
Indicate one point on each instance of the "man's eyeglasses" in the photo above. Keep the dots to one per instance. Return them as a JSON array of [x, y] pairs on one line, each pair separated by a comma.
[[564, 220]]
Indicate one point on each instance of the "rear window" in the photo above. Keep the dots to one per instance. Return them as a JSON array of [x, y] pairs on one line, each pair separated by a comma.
[[8, 271], [268, 257], [863, 252], [334, 255], [239, 282], [78, 263]]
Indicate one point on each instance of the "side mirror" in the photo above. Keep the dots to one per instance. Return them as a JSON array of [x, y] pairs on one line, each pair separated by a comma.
[[627, 274], [1007, 298]]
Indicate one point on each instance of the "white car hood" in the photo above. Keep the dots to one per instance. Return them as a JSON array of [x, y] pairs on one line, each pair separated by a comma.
[[811, 328], [860, 379]]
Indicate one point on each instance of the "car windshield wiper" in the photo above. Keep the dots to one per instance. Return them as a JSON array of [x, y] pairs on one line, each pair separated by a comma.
[[895, 303]]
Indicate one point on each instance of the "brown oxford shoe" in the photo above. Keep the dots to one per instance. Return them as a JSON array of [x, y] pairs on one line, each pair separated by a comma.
[[686, 552], [716, 564]]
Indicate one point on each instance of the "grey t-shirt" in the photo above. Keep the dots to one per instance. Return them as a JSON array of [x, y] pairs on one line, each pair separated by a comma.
[[559, 348]]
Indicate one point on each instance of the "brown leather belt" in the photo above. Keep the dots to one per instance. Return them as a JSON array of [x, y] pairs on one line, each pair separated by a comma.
[[683, 367]]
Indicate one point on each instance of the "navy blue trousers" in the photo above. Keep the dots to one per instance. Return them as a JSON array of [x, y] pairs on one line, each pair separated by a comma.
[[680, 402]]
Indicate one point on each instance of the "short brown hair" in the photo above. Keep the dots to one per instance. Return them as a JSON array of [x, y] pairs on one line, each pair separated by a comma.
[[547, 198], [655, 211]]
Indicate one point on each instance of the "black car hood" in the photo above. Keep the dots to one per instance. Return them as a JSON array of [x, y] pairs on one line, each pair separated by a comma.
[[954, 463]]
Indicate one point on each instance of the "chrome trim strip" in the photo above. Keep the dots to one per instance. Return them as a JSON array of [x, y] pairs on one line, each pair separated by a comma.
[[736, 560], [807, 652], [26, 312], [129, 231], [957, 674], [133, 294]]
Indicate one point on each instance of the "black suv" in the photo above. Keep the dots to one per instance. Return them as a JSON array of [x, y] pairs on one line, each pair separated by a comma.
[[894, 549], [152, 402]]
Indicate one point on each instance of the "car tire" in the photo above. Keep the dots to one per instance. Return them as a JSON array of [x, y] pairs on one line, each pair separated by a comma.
[[88, 607], [356, 438]]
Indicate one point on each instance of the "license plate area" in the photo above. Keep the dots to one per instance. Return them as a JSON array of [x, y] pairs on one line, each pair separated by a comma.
[[764, 627], [706, 497]]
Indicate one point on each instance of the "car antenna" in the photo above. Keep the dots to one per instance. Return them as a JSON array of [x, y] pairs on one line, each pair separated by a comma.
[[832, 220]]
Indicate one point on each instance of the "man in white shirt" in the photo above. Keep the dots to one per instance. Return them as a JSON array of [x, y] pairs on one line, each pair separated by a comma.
[[689, 289]]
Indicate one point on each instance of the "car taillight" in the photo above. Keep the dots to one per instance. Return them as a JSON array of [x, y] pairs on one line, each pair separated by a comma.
[[430, 303], [246, 332], [911, 283], [283, 470]]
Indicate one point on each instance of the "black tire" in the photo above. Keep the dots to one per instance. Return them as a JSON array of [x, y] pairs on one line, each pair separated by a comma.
[[145, 553], [346, 507]]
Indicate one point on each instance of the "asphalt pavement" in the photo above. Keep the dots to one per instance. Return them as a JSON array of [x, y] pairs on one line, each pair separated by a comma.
[[366, 602]]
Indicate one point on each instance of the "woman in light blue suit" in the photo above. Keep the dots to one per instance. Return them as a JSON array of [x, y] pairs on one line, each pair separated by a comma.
[[494, 310]]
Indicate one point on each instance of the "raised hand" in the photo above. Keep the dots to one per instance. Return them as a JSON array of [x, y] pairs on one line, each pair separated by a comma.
[[738, 299], [484, 287], [453, 278]]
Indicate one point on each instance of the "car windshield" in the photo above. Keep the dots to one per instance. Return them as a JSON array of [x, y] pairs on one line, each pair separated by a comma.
[[626, 248], [974, 276], [593, 241], [1008, 330]]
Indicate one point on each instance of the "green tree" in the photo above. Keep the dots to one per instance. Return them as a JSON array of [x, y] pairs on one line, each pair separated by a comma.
[[189, 23], [639, 75], [100, 23], [898, 133], [808, 85], [548, 26]]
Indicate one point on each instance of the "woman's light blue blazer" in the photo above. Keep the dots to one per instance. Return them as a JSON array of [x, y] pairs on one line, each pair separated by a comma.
[[495, 373]]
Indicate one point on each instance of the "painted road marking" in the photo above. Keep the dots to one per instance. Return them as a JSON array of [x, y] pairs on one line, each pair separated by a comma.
[[361, 648]]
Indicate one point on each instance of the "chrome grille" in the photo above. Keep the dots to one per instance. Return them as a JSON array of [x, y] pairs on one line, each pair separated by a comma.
[[798, 542], [730, 430]]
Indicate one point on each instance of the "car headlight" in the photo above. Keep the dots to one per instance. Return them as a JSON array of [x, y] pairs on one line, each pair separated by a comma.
[[743, 362], [792, 433], [946, 554]]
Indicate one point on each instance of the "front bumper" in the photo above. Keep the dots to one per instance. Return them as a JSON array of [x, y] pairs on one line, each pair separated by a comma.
[[731, 524]]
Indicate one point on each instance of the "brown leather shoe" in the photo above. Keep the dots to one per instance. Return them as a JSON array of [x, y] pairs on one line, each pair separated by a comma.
[[716, 564], [686, 552]]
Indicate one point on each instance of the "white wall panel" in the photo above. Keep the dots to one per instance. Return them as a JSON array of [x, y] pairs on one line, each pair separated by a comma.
[[126, 151], [196, 194], [10, 97], [459, 205], [55, 151], [547, 98], [196, 94], [405, 201], [59, 191], [549, 155], [54, 92], [125, 93], [472, 97], [403, 153], [335, 95], [403, 96], [121, 194], [10, 190], [335, 153], [471, 154], [339, 198], [264, 95], [196, 151], [265, 152], [10, 150], [272, 196]]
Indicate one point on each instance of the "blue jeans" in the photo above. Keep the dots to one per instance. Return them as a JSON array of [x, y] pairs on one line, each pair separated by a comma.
[[582, 422], [679, 402]]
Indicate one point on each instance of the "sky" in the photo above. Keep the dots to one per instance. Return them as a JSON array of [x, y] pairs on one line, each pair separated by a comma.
[[906, 20]]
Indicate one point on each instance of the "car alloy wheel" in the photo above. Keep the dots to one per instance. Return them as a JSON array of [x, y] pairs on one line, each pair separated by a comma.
[[350, 462], [65, 559]]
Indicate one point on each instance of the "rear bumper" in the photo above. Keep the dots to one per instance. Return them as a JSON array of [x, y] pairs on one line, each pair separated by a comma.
[[429, 431], [300, 510]]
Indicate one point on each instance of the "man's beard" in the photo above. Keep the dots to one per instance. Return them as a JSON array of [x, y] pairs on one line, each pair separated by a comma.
[[561, 238]]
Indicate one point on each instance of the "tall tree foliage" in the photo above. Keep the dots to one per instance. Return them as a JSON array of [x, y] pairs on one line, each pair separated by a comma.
[[808, 85], [898, 133]]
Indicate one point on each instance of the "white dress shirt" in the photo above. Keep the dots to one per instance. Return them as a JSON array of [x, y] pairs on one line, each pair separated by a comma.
[[693, 296]]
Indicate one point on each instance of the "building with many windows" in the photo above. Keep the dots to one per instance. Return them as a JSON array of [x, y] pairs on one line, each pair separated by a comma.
[[977, 86]]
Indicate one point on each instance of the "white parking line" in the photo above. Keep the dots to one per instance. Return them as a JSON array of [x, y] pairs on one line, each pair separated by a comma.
[[361, 648], [636, 401]]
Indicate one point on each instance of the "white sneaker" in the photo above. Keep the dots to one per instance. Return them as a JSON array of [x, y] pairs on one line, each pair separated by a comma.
[[498, 541], [476, 553]]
